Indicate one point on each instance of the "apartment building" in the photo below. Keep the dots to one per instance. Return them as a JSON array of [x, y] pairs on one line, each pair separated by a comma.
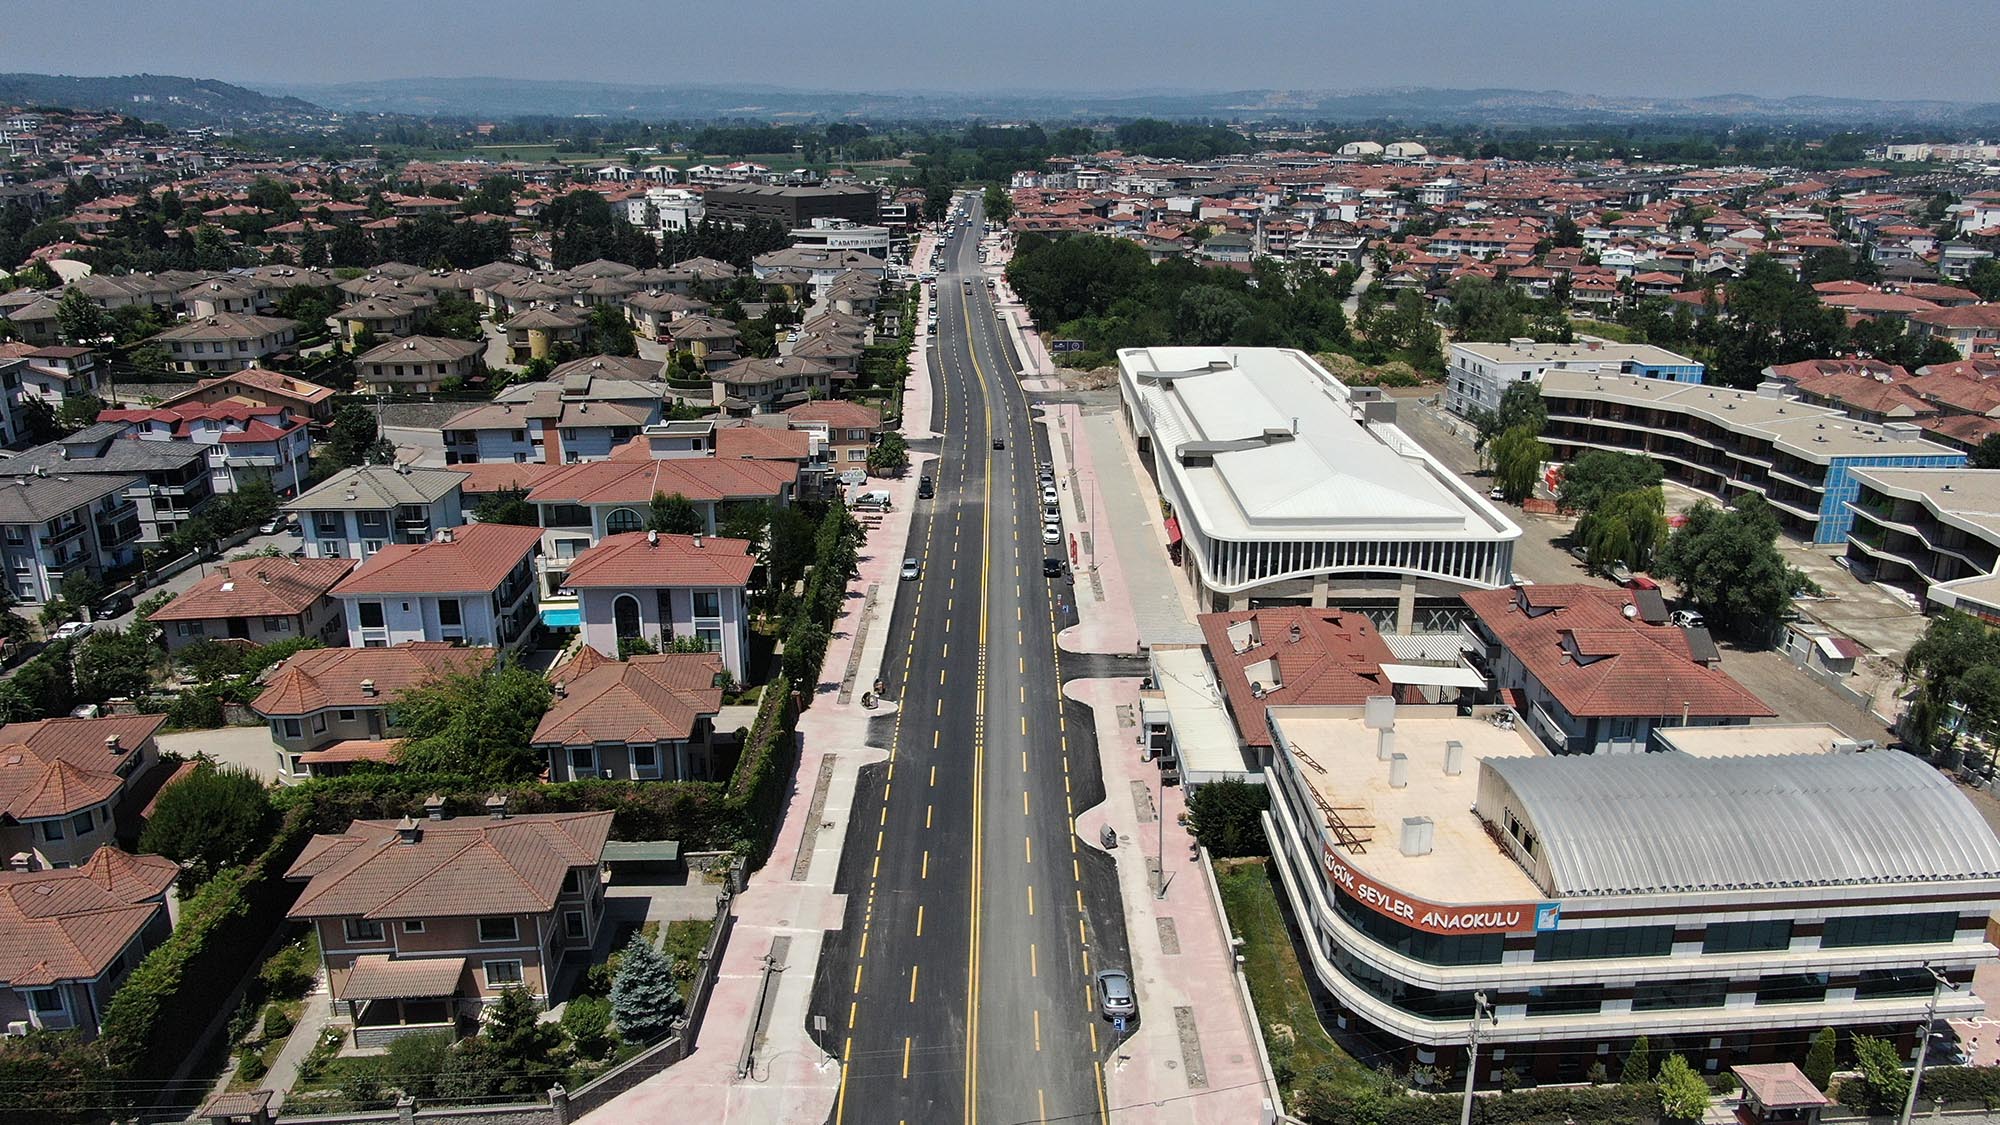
[[245, 444], [357, 512], [472, 585], [1934, 533], [166, 483], [1480, 373], [226, 342], [254, 386], [54, 530], [1733, 899], [791, 207], [418, 364], [1727, 442]]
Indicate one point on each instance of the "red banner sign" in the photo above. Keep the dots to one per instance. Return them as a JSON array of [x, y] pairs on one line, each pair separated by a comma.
[[1432, 918]]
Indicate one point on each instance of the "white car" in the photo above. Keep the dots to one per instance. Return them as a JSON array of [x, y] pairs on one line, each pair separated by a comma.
[[1051, 533], [71, 631], [911, 568]]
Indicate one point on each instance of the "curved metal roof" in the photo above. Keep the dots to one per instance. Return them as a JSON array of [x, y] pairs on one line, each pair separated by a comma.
[[1675, 822]]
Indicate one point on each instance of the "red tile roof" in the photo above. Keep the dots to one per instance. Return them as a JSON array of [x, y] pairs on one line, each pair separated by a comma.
[[263, 587], [1577, 641], [499, 476], [645, 699], [837, 412], [1336, 660], [55, 767], [71, 924], [474, 559], [641, 558], [761, 443], [319, 678], [638, 481], [455, 868]]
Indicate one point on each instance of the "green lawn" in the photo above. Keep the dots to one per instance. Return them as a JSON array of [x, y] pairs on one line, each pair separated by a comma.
[[1617, 333], [1277, 981]]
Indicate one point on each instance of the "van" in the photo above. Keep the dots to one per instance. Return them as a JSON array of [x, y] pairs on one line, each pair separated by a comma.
[[873, 501]]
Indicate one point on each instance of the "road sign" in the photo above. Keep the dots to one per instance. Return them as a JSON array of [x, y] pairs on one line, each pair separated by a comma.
[[1065, 345]]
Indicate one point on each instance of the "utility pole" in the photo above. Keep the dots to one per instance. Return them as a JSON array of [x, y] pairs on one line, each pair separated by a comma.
[[1481, 1010], [1939, 984]]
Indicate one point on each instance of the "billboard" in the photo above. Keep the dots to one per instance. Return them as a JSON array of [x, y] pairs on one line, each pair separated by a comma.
[[1484, 918]]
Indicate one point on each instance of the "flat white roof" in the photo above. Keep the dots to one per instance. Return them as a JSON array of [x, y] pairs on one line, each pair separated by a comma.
[[1433, 675], [1203, 731], [1587, 354], [1743, 742], [1295, 460], [1463, 865]]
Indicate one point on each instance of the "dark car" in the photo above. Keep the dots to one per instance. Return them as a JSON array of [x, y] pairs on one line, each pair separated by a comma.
[[112, 605], [925, 489], [1052, 567], [999, 443]]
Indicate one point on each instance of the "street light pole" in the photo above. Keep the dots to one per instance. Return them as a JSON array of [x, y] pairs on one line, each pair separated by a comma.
[[1480, 1010], [1939, 984]]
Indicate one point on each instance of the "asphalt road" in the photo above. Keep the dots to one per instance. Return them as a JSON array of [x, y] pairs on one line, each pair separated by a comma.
[[959, 987]]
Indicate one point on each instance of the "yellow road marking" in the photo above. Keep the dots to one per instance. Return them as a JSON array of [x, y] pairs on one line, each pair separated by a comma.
[[920, 916], [1029, 841], [1034, 965], [913, 983], [1038, 1029], [906, 1056]]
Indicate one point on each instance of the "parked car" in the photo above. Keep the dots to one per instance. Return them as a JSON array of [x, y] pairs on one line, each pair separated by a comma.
[[925, 489], [72, 631], [1115, 997], [1053, 567], [911, 568], [111, 605], [1051, 533]]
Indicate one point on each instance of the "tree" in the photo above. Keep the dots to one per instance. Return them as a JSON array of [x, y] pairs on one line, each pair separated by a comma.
[[1728, 564], [1683, 1095], [114, 662], [587, 1022], [644, 998], [1985, 280], [1638, 1067], [610, 333], [1820, 1059], [1517, 463], [523, 1046], [78, 319], [1227, 817], [507, 505], [999, 204], [355, 440], [674, 515], [78, 411], [1625, 528], [1881, 1066], [890, 455], [788, 548], [1985, 455], [1597, 474], [1954, 664], [414, 1062], [215, 817], [478, 725]]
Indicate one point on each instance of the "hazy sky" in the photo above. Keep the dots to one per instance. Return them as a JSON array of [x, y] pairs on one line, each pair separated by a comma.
[[1863, 48]]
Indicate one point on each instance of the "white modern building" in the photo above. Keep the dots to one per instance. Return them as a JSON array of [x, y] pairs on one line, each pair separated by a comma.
[[1285, 487], [841, 234], [1480, 373], [1732, 895]]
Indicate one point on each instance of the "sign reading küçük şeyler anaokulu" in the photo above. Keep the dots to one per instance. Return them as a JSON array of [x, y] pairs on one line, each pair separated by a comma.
[[1503, 918]]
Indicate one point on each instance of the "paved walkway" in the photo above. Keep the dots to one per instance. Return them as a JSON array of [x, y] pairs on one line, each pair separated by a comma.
[[1195, 1058], [792, 1079]]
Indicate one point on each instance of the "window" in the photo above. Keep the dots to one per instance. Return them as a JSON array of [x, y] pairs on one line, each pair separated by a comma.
[[81, 824], [277, 624], [621, 520], [1585, 945], [1565, 1000], [293, 728], [1747, 937], [1662, 995], [362, 929], [1794, 988], [319, 724], [707, 603], [498, 929], [625, 616], [501, 973], [645, 761], [573, 924], [1879, 983], [46, 1001], [583, 761], [449, 614], [371, 615], [52, 830], [413, 925], [346, 716], [1888, 929]]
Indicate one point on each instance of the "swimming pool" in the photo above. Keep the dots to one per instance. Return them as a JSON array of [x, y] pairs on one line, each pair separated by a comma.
[[562, 617]]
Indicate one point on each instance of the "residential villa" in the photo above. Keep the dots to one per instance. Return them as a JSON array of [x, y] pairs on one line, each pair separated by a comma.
[[329, 707], [70, 937], [471, 585], [658, 588], [66, 785], [650, 718], [258, 601]]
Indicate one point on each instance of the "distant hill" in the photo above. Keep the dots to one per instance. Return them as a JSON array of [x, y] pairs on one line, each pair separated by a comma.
[[512, 97], [170, 100]]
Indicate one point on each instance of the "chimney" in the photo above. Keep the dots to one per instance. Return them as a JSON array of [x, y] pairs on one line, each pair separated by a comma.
[[111, 744], [1418, 832], [1385, 744], [21, 861], [368, 688], [697, 540], [1454, 758], [444, 535], [561, 690], [496, 806], [407, 831], [434, 807], [1296, 633], [652, 538], [223, 570], [1399, 769]]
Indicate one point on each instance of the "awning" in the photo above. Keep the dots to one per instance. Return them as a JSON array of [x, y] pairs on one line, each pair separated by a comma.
[[1433, 675], [1173, 531], [377, 977]]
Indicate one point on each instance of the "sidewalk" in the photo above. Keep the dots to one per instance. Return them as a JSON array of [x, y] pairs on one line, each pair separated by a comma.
[[1195, 1057], [793, 1081], [313, 1019]]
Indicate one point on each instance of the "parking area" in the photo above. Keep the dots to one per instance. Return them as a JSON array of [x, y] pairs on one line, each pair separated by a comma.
[[248, 747]]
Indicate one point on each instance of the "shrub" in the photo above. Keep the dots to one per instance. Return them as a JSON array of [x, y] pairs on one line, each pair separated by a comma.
[[289, 973], [414, 1063], [1226, 817], [251, 1066], [587, 1022], [1638, 1066], [213, 818], [277, 1024], [1820, 1059]]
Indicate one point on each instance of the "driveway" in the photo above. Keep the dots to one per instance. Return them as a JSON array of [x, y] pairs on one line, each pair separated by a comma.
[[248, 747]]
